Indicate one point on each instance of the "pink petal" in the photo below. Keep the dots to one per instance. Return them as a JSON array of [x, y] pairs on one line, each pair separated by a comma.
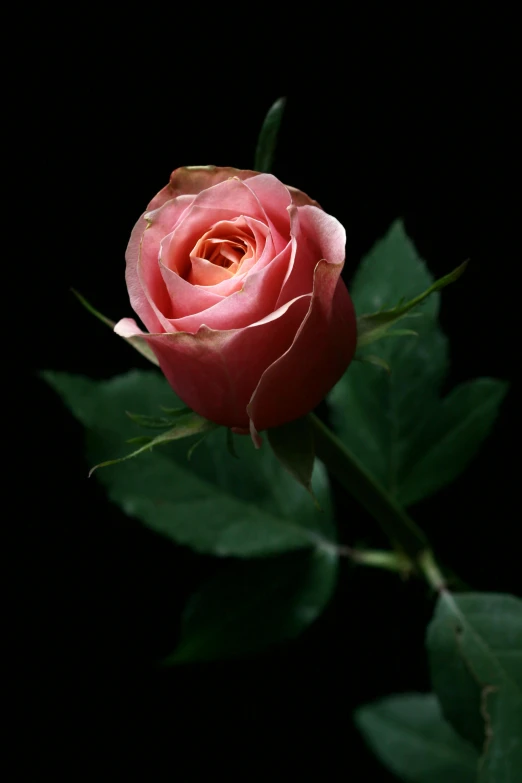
[[128, 329], [206, 273], [319, 355], [138, 297], [193, 179], [185, 298], [264, 255], [147, 292], [217, 240], [326, 231], [215, 372], [300, 199], [232, 196], [256, 299], [176, 246], [318, 235], [275, 199]]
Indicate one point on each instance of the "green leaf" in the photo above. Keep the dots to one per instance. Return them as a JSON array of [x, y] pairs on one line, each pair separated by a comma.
[[374, 326], [267, 141], [158, 422], [186, 426], [230, 444], [214, 504], [410, 737], [402, 332], [396, 424], [137, 342], [502, 758], [448, 441], [371, 358], [293, 445], [195, 445], [249, 606], [475, 652], [175, 412]]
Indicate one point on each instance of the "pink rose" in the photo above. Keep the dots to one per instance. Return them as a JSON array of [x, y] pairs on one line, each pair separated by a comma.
[[237, 279]]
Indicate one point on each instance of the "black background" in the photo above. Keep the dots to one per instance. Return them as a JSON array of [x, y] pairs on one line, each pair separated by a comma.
[[374, 133]]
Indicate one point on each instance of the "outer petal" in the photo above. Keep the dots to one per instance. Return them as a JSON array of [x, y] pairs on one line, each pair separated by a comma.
[[320, 353], [325, 231], [138, 298], [318, 235], [138, 294], [147, 292], [216, 372], [192, 180], [161, 222], [300, 199]]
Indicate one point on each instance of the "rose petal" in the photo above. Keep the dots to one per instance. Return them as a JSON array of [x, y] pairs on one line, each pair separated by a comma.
[[325, 231], [320, 353], [275, 200], [162, 222], [207, 274], [318, 235], [300, 199], [215, 372], [147, 292], [138, 297], [207, 210], [193, 179], [264, 254], [149, 295], [185, 298], [252, 302], [229, 238], [231, 197]]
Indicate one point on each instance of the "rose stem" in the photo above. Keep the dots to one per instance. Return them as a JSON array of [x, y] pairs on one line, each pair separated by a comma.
[[397, 525]]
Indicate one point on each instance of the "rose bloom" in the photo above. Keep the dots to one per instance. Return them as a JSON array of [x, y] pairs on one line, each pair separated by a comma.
[[237, 278]]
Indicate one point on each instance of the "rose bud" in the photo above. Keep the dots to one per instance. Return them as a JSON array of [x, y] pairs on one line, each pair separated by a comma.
[[237, 277]]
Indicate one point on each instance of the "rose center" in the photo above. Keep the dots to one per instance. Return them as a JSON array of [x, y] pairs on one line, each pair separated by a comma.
[[228, 248], [224, 252]]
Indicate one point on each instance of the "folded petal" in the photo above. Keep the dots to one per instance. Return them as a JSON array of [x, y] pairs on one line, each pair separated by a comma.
[[300, 199], [318, 235], [147, 292], [140, 298], [129, 330], [216, 372], [206, 273], [318, 356], [185, 298]]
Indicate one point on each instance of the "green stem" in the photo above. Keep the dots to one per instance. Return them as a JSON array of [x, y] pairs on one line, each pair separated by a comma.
[[431, 571], [378, 558], [400, 529]]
